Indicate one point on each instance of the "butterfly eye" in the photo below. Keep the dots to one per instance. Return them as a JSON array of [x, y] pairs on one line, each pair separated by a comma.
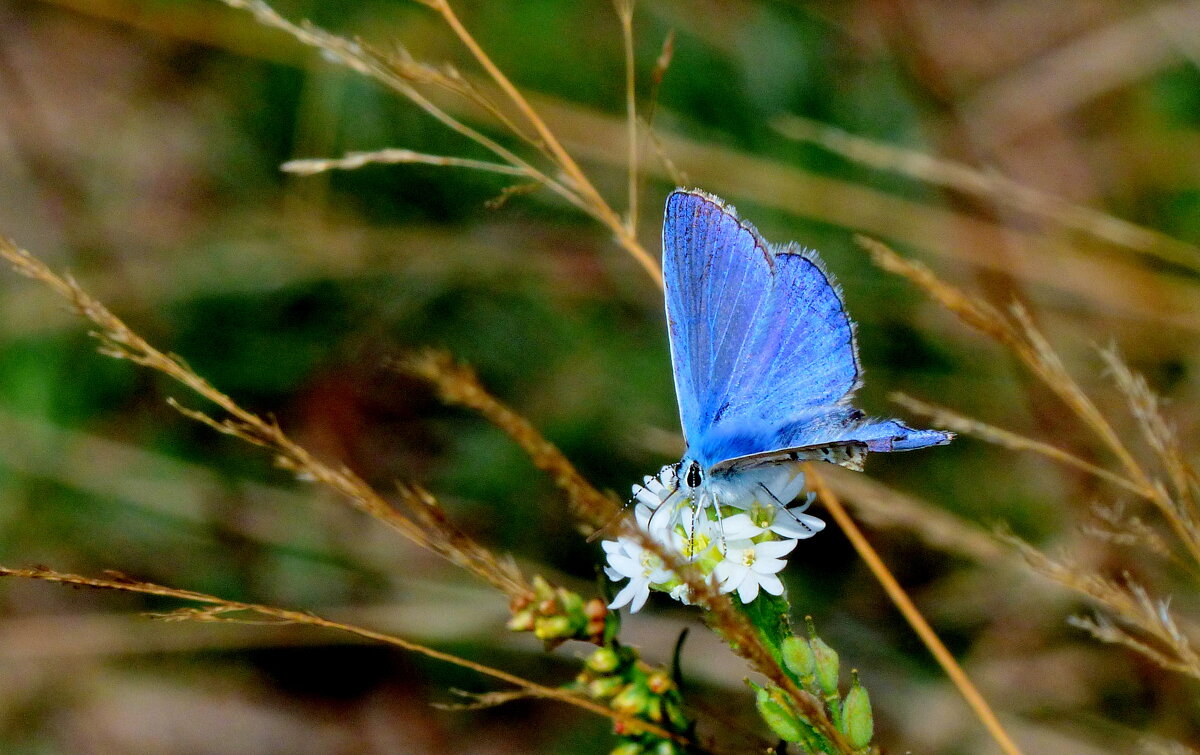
[[693, 475]]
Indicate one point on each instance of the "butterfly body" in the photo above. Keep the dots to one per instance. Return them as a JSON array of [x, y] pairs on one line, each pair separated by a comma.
[[764, 357]]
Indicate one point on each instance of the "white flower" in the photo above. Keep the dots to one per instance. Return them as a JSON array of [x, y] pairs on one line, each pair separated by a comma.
[[748, 566], [628, 560]]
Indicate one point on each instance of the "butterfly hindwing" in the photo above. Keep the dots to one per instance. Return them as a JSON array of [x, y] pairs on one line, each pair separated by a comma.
[[849, 454]]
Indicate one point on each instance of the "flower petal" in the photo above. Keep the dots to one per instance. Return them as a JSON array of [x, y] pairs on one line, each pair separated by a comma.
[[774, 548], [639, 600], [771, 584], [628, 593], [739, 527], [748, 590]]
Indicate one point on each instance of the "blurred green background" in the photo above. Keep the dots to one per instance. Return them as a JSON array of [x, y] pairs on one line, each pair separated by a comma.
[[140, 143]]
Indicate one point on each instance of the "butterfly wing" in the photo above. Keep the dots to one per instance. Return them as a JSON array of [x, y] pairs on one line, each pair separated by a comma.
[[759, 336], [845, 446]]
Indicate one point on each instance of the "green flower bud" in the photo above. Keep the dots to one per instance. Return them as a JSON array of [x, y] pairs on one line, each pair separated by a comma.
[[605, 687], [571, 602], [628, 748], [542, 589], [552, 627], [798, 657], [631, 700], [521, 621], [665, 747], [603, 661], [659, 682], [827, 666], [779, 716], [857, 722], [654, 708], [675, 714]]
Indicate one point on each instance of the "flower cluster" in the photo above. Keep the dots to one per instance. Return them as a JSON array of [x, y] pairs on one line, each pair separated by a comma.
[[816, 666], [555, 615], [734, 531], [615, 675]]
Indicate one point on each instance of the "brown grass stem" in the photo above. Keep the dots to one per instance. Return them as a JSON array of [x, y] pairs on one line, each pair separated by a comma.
[[423, 522], [352, 160], [222, 610], [951, 420], [911, 614], [579, 180], [988, 184], [1018, 332], [625, 15], [402, 77]]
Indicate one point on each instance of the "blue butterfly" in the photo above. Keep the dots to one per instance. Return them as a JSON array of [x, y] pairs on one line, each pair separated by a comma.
[[764, 356]]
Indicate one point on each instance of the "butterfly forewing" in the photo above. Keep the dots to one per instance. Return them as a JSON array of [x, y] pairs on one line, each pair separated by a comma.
[[717, 280], [759, 339]]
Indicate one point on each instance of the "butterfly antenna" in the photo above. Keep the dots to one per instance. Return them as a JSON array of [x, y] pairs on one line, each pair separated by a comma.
[[625, 507], [783, 507]]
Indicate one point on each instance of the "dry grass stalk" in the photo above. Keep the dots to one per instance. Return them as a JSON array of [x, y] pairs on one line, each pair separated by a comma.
[[951, 420], [989, 185], [353, 160], [1019, 334], [1113, 524], [1143, 403], [459, 385], [624, 10], [1158, 636], [404, 75], [220, 610], [911, 614], [1155, 633], [422, 520], [1022, 338]]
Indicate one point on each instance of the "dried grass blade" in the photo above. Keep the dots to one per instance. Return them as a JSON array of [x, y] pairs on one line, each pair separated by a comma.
[[119, 341], [221, 610], [948, 418], [352, 160], [911, 614], [986, 184], [1129, 603]]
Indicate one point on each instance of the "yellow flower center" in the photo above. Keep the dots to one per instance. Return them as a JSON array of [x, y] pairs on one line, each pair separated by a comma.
[[695, 545]]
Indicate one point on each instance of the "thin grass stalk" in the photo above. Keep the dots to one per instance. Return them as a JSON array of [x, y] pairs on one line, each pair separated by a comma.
[[567, 163], [1129, 603], [219, 610], [951, 420], [119, 341], [1032, 348], [988, 184], [1158, 434], [625, 15], [911, 614], [357, 57], [354, 160]]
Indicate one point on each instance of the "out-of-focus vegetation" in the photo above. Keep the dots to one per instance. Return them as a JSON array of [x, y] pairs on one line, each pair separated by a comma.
[[140, 144]]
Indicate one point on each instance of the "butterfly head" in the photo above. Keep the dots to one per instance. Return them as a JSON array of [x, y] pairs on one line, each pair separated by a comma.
[[691, 475]]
